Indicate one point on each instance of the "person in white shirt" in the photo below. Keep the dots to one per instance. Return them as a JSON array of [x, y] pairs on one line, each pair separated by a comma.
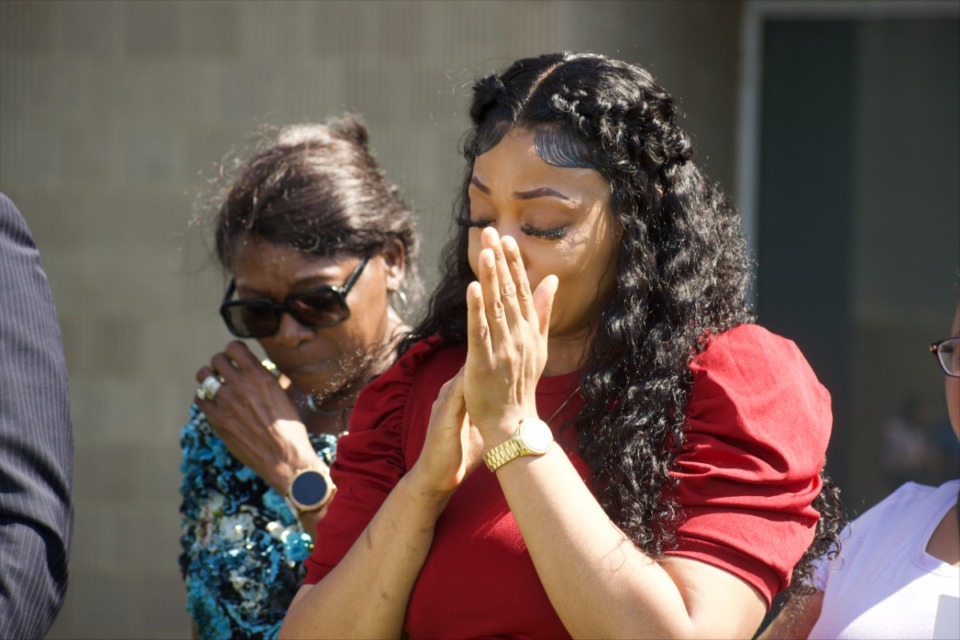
[[898, 572]]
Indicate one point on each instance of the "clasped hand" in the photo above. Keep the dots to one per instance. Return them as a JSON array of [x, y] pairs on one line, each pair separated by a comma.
[[507, 331]]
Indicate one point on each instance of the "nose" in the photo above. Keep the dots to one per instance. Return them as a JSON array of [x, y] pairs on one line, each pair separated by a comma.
[[291, 333], [509, 225], [520, 238]]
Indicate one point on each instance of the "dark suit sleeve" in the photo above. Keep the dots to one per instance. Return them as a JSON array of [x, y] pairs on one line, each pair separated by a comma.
[[36, 439]]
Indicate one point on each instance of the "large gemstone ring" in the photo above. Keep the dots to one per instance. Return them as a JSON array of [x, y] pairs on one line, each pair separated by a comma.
[[208, 388]]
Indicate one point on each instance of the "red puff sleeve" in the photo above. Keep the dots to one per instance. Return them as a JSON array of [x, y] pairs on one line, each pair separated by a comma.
[[758, 424], [370, 461]]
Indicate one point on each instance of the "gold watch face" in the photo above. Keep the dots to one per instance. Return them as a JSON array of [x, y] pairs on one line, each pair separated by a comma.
[[535, 435]]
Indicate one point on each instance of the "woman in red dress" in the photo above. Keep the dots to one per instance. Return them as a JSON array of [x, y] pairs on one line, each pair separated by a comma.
[[586, 436]]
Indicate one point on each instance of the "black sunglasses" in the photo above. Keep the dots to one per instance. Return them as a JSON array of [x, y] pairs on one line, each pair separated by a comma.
[[323, 306]]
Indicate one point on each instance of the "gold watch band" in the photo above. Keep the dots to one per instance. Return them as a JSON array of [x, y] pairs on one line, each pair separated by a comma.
[[533, 437], [503, 453]]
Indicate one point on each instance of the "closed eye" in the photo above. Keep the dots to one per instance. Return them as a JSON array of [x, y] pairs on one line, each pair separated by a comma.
[[556, 233], [473, 224]]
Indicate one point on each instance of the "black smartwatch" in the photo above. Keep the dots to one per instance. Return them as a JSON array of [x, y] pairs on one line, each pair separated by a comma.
[[310, 489]]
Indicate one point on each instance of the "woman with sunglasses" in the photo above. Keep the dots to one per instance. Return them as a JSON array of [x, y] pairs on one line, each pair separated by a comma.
[[588, 437], [317, 246], [898, 574]]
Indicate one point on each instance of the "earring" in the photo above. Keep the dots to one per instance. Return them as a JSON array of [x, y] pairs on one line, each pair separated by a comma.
[[399, 301]]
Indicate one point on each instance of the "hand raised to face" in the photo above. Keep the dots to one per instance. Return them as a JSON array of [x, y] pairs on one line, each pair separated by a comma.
[[507, 329], [255, 417]]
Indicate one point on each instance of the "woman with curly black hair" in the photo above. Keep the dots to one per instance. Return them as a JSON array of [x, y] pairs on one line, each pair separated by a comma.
[[654, 459]]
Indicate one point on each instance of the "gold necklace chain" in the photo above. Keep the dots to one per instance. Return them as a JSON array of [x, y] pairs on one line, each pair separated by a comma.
[[564, 404]]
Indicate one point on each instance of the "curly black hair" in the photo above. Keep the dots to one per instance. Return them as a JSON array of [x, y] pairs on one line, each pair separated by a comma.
[[682, 272]]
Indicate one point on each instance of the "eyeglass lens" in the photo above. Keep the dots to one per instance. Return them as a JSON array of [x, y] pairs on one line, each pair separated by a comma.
[[948, 352], [313, 308], [319, 307]]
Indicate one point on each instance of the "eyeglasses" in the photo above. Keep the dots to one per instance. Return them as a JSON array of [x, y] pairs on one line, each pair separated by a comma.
[[323, 306], [947, 353]]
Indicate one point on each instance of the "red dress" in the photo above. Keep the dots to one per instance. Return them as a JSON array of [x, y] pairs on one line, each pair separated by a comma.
[[758, 423]]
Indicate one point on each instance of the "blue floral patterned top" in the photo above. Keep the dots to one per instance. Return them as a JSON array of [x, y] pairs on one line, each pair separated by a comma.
[[242, 548]]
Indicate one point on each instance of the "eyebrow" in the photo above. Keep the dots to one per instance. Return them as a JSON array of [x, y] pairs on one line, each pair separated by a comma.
[[540, 192]]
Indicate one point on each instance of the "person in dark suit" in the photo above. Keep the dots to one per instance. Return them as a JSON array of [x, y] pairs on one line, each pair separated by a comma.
[[36, 439]]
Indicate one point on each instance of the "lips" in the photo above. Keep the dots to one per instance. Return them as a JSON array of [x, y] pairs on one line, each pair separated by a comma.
[[309, 368], [325, 372], [327, 368]]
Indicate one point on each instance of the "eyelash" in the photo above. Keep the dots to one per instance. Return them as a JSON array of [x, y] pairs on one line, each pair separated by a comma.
[[544, 234]]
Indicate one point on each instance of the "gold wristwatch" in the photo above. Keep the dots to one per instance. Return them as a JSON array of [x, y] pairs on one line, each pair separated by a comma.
[[532, 438]]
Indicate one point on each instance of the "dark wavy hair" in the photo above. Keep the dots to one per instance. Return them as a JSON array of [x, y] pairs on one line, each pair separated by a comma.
[[682, 271], [319, 189]]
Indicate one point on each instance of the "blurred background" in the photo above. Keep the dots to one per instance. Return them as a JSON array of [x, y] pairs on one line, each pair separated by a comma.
[[835, 126]]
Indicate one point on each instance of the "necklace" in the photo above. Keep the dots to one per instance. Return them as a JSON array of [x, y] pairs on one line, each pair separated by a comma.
[[564, 404], [341, 413], [315, 408]]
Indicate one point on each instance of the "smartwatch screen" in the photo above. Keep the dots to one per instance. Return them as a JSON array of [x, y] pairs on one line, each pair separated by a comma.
[[309, 488]]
